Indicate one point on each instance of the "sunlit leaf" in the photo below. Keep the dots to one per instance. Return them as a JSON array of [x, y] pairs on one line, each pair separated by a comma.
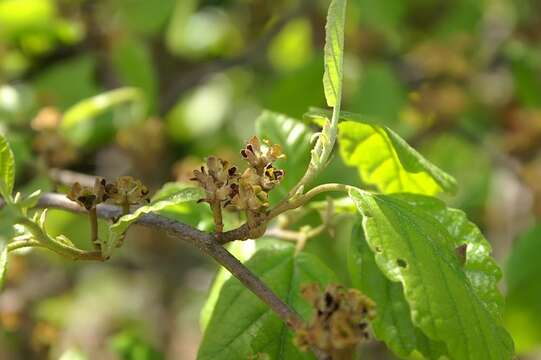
[[7, 169], [242, 325], [334, 52], [385, 160], [117, 230], [332, 81], [416, 241]]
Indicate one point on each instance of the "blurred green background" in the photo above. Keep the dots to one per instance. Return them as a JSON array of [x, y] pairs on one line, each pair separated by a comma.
[[181, 79]]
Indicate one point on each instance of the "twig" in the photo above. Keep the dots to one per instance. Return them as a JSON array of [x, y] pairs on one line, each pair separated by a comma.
[[68, 177], [205, 242], [299, 237]]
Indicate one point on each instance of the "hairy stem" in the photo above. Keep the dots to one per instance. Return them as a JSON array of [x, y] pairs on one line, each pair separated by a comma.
[[303, 199], [43, 240], [217, 215], [93, 218]]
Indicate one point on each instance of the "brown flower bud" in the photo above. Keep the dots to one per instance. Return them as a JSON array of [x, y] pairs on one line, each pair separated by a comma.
[[88, 197], [218, 179], [249, 195], [126, 191], [260, 155]]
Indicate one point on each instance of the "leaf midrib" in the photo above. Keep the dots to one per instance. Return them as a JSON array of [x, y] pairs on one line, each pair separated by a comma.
[[400, 212]]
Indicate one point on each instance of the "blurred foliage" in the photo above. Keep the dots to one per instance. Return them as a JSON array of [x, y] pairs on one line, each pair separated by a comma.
[[148, 88], [523, 308]]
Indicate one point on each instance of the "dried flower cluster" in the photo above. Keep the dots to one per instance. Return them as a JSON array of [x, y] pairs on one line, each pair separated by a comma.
[[260, 177], [218, 179], [341, 318], [226, 188], [123, 191]]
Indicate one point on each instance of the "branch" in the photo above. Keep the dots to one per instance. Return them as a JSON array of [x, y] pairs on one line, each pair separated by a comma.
[[68, 177], [205, 242]]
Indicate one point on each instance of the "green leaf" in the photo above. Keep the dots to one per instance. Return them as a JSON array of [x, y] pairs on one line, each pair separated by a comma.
[[332, 83], [7, 169], [132, 61], [3, 264], [385, 160], [77, 120], [198, 215], [142, 16], [64, 83], [242, 325], [294, 137], [392, 323], [242, 250], [523, 309], [29, 201], [334, 52], [117, 230], [415, 240]]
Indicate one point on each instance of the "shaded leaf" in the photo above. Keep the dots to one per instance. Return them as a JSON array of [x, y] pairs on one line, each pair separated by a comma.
[[414, 240], [242, 325], [392, 323], [7, 169]]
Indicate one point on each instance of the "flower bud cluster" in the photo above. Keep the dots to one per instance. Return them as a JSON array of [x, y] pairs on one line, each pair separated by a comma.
[[249, 190], [218, 179], [123, 191], [341, 319]]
